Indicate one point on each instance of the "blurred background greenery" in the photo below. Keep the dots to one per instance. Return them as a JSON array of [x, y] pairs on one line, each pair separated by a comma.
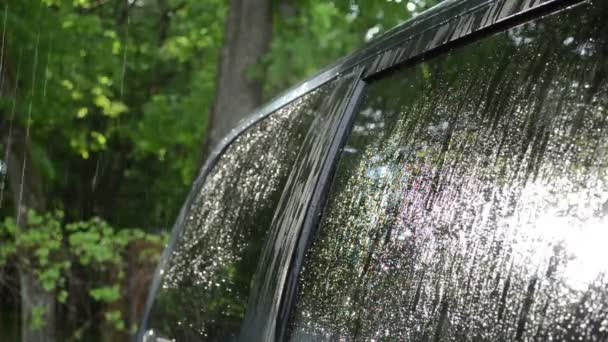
[[107, 108]]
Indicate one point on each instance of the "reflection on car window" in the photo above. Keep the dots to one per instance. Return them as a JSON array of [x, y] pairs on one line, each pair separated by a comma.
[[206, 283], [471, 200]]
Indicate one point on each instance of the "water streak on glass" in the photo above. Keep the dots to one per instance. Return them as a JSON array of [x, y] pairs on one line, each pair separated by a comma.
[[206, 282], [260, 322], [471, 201]]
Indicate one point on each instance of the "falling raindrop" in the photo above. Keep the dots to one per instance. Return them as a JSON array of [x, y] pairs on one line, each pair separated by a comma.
[[124, 58], [3, 162], [26, 138]]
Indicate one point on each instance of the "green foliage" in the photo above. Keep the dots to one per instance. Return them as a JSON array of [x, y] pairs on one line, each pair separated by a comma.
[[115, 318], [38, 247], [106, 294], [122, 90], [38, 317], [51, 249]]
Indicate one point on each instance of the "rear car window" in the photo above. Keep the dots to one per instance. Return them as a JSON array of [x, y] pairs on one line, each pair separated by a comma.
[[471, 199], [206, 282]]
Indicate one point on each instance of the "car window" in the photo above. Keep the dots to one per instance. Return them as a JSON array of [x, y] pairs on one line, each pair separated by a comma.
[[471, 199], [206, 282]]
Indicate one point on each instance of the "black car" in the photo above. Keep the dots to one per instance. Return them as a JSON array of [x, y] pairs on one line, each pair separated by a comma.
[[449, 182]]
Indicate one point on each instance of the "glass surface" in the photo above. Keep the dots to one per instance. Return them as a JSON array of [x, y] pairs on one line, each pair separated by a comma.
[[206, 283], [470, 202]]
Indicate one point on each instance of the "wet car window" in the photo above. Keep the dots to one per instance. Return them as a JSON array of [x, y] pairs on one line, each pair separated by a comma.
[[206, 283], [471, 199]]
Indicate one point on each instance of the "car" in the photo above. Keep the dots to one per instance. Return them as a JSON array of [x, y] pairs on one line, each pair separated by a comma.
[[448, 182]]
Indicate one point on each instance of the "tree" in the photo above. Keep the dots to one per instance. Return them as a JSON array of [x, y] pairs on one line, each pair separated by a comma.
[[26, 187], [247, 39]]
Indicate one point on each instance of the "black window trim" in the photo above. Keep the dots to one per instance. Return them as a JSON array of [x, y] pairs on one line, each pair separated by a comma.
[[400, 47]]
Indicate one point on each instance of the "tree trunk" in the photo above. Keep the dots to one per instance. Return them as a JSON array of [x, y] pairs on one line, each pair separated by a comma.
[[35, 300], [247, 39], [25, 185]]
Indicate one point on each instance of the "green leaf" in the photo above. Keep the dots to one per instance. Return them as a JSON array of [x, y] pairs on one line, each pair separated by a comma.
[[38, 317], [62, 297], [106, 294]]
